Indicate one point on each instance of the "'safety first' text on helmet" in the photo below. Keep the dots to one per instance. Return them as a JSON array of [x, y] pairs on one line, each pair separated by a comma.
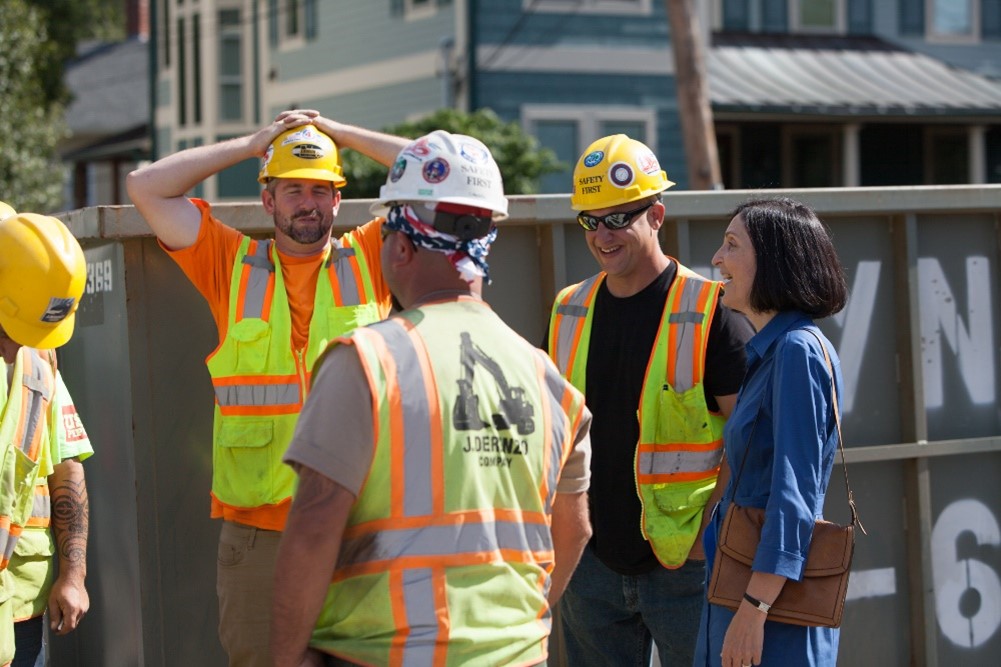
[[616, 170], [302, 152], [448, 168], [43, 274]]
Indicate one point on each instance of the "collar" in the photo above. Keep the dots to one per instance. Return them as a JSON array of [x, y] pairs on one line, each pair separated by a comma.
[[761, 342]]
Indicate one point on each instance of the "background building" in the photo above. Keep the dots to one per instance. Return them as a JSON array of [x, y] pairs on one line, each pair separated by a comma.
[[805, 93]]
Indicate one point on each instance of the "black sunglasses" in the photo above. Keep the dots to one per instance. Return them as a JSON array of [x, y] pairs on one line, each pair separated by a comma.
[[617, 220]]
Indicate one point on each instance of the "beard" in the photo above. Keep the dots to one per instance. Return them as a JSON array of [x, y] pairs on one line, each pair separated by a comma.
[[305, 226]]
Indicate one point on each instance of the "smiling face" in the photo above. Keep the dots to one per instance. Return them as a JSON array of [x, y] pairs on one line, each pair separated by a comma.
[[631, 257], [303, 209], [737, 262]]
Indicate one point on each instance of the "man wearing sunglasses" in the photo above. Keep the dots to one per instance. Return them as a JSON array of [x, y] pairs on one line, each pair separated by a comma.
[[442, 460], [660, 362]]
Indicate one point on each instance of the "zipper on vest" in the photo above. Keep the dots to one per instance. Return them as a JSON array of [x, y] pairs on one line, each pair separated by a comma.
[[300, 367]]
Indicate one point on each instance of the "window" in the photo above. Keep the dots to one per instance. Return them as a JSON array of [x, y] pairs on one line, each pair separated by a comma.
[[230, 66], [818, 15], [589, 6], [568, 130], [952, 20], [291, 22]]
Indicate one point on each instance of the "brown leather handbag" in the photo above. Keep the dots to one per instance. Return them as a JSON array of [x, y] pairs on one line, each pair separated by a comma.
[[818, 599]]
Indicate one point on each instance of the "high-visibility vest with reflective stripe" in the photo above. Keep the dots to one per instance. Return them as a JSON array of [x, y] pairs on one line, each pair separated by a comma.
[[260, 381], [681, 442], [24, 432], [447, 552]]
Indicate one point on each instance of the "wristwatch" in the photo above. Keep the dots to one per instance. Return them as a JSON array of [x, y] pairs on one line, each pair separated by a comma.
[[761, 606]]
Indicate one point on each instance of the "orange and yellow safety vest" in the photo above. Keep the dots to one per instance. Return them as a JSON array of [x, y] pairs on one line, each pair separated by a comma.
[[681, 442]]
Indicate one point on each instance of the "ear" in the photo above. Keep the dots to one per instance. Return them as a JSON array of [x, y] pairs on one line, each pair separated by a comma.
[[268, 200], [337, 201], [655, 216]]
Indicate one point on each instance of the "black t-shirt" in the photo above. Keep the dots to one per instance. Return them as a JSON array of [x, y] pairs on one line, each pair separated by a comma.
[[622, 337]]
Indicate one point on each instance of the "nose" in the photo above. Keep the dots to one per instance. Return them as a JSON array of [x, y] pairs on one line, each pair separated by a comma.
[[717, 258]]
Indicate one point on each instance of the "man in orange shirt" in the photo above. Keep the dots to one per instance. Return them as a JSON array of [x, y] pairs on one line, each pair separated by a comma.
[[276, 303]]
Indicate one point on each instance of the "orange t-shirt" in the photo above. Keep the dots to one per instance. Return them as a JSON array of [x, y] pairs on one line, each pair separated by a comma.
[[208, 264]]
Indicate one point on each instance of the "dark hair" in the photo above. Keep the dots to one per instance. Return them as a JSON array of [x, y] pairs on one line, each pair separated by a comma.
[[797, 265]]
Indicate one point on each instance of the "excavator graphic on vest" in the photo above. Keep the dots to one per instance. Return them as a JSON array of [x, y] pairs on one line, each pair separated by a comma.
[[515, 411]]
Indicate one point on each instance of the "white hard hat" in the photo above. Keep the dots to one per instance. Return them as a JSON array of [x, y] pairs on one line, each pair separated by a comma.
[[447, 168]]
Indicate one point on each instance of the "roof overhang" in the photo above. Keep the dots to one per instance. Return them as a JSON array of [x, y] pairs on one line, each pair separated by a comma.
[[779, 75]]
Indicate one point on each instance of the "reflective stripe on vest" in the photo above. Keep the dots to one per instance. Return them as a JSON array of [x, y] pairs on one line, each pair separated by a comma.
[[37, 386], [41, 508], [258, 281], [345, 263], [412, 542]]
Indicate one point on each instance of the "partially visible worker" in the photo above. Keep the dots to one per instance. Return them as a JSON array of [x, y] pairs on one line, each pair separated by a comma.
[[442, 460], [42, 278], [276, 303], [660, 361]]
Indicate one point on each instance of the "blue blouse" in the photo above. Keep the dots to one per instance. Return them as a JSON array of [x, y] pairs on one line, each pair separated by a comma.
[[784, 424]]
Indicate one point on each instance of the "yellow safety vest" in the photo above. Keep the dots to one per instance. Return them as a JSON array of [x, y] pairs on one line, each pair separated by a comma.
[[261, 381], [447, 552], [681, 442], [24, 433]]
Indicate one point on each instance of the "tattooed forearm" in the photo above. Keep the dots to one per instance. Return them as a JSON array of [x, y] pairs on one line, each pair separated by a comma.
[[70, 514]]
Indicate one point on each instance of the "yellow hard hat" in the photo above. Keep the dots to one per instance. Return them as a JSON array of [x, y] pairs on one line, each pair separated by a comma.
[[615, 170], [6, 210], [42, 276], [302, 152]]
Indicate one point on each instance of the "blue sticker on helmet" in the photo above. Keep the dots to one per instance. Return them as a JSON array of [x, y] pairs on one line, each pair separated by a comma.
[[436, 170], [594, 158]]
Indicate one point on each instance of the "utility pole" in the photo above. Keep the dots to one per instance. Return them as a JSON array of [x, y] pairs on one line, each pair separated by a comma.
[[701, 154]]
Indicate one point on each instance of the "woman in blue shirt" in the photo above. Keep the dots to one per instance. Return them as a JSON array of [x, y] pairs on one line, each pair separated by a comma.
[[782, 272]]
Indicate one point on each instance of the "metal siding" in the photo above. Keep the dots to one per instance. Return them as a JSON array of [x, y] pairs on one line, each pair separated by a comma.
[[860, 17], [353, 34], [505, 22], [869, 79], [912, 17]]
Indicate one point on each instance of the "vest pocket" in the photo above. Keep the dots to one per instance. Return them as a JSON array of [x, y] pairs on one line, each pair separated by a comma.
[[251, 339], [683, 417], [244, 476]]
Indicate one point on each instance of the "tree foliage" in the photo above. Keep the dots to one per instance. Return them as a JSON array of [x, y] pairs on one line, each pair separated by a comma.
[[520, 158], [37, 39], [30, 124]]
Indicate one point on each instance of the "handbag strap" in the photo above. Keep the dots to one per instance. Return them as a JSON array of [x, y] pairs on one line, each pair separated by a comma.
[[841, 444]]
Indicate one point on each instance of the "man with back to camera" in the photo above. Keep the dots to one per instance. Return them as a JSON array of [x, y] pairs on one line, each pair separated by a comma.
[[660, 362], [42, 277], [276, 303], [442, 460]]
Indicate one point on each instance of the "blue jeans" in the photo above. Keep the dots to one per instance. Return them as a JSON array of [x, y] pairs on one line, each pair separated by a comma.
[[610, 618]]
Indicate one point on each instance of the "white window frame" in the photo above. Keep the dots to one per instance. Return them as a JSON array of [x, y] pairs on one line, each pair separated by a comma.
[[932, 35], [288, 42], [636, 7], [840, 19], [589, 119], [415, 12]]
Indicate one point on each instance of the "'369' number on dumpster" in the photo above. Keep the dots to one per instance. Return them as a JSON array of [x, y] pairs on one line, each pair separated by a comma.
[[99, 276]]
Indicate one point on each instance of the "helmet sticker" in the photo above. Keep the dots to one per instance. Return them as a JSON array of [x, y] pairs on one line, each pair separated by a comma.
[[648, 163], [305, 134], [308, 152], [436, 170], [594, 158], [621, 174], [399, 167], [473, 153], [58, 309], [267, 157], [418, 149]]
